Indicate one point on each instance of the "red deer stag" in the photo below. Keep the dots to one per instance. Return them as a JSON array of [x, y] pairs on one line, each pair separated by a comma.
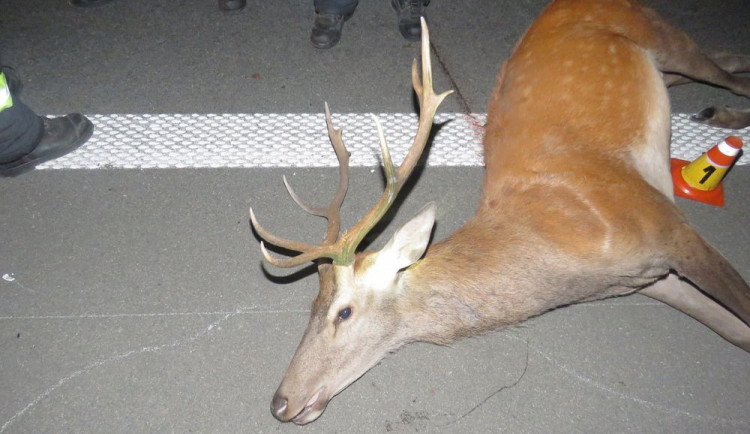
[[583, 212]]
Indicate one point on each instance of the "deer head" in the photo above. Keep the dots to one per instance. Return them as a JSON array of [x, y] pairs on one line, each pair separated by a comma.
[[354, 320]]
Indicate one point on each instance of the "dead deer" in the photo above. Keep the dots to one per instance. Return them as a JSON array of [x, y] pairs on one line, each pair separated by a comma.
[[577, 206]]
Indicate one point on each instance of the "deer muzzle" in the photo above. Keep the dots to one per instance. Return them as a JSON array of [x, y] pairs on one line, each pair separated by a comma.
[[299, 414]]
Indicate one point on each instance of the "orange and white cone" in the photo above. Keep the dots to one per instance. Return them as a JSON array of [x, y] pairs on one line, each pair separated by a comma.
[[700, 180]]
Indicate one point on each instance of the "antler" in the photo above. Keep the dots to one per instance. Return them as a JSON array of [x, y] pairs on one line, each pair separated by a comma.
[[342, 251], [330, 212]]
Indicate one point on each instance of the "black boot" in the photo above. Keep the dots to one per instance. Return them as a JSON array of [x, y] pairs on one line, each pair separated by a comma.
[[408, 12], [232, 5], [61, 136], [326, 31]]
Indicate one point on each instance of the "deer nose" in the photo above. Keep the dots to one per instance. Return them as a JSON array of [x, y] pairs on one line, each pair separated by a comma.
[[278, 407]]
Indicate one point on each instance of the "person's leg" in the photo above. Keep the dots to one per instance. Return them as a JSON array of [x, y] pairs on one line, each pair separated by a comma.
[[337, 7], [20, 128], [330, 16], [408, 12], [26, 140]]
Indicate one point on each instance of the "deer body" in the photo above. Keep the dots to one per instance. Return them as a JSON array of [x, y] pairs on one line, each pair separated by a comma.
[[577, 205], [566, 147]]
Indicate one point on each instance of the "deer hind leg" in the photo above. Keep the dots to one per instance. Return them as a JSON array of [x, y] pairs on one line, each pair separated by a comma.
[[724, 117], [732, 63], [719, 116], [682, 296], [682, 61]]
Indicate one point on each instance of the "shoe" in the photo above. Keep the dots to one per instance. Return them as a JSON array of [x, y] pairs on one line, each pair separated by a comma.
[[88, 3], [232, 5], [409, 12], [61, 136], [326, 31]]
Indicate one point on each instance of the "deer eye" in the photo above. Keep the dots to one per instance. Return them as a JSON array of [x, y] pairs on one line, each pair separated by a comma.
[[344, 314]]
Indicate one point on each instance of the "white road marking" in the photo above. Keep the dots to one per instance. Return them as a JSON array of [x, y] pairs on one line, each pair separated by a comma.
[[144, 141]]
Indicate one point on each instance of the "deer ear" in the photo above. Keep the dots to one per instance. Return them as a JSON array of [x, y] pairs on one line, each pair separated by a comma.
[[410, 241]]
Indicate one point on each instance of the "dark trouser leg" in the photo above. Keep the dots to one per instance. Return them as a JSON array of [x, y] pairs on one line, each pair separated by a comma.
[[232, 5], [20, 131], [338, 7], [409, 13]]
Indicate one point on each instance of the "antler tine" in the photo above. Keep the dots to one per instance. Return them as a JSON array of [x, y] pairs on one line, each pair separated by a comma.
[[309, 252], [356, 234], [390, 170], [297, 246], [428, 104], [343, 156], [326, 251], [317, 211], [333, 213]]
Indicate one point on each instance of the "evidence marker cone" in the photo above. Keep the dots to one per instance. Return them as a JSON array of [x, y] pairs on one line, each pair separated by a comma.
[[700, 180]]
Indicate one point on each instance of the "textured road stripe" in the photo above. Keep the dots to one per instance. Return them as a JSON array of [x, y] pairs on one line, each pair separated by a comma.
[[140, 141]]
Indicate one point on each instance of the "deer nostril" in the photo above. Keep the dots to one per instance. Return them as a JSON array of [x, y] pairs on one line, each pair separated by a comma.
[[278, 406]]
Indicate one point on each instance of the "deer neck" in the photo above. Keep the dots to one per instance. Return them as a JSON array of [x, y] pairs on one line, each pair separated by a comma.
[[467, 284]]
